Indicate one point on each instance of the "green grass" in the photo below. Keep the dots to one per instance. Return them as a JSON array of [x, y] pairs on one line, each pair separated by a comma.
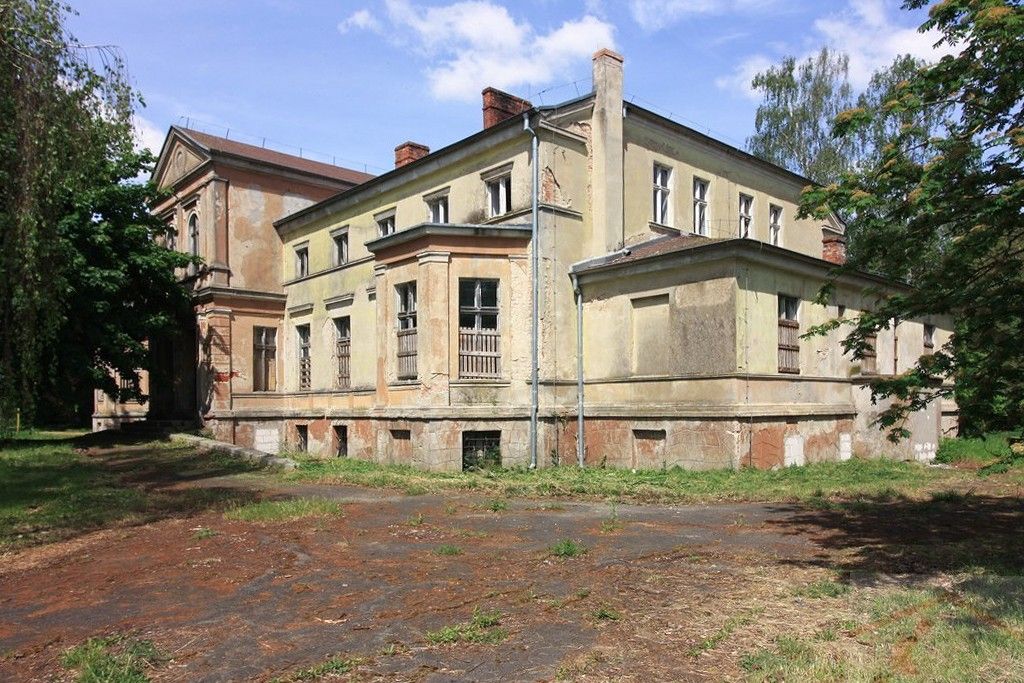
[[605, 613], [982, 450], [284, 510], [49, 492], [483, 628], [824, 588], [567, 547], [334, 666], [113, 659], [857, 477], [450, 550]]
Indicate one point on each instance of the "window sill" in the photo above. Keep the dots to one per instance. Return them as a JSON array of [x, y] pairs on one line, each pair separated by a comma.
[[481, 381], [663, 229], [404, 384]]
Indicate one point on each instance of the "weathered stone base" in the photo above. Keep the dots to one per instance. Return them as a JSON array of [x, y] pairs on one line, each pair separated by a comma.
[[104, 422], [634, 443]]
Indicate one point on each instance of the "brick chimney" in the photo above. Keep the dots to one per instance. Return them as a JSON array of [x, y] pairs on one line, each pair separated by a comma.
[[408, 152], [499, 106], [833, 247]]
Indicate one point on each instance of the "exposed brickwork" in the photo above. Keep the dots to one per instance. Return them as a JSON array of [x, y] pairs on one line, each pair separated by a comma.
[[833, 249], [498, 106], [408, 152]]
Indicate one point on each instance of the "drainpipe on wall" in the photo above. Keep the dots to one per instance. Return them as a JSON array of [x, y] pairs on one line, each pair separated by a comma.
[[535, 313], [578, 292]]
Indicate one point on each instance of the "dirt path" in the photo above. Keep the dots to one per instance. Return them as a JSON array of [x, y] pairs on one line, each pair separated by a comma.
[[259, 600]]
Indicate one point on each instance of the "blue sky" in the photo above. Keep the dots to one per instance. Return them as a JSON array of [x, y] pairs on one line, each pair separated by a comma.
[[349, 80]]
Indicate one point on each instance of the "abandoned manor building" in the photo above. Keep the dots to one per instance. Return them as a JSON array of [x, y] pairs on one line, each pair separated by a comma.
[[582, 282]]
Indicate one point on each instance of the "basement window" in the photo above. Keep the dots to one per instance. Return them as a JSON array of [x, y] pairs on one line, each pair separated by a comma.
[[302, 438], [341, 441], [481, 450]]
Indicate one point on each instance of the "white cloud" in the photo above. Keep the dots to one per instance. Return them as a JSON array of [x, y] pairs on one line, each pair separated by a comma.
[[472, 44], [148, 134], [654, 15], [360, 19], [866, 30]]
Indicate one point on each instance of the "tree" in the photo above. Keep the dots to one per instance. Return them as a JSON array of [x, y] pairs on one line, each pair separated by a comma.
[[793, 125], [947, 207], [83, 282]]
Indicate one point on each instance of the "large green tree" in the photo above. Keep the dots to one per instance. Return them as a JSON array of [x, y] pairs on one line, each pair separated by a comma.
[[83, 282], [945, 208]]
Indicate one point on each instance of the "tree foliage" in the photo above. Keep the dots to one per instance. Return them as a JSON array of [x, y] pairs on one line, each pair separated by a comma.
[[793, 125], [83, 283], [944, 207]]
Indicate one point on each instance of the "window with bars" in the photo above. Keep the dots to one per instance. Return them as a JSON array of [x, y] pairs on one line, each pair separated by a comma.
[[264, 359], [775, 225], [662, 209], [305, 367], [479, 339], [746, 214], [302, 260], [340, 240], [789, 334], [700, 206], [481, 450], [406, 323], [499, 195], [869, 359], [343, 350]]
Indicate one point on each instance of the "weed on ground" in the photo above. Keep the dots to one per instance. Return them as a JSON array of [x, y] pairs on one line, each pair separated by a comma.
[[483, 628], [335, 666], [284, 510], [567, 547]]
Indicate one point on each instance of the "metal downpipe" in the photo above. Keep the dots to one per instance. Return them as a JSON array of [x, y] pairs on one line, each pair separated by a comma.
[[535, 282], [580, 447]]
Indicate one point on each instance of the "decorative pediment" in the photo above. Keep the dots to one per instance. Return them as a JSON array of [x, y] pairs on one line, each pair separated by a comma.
[[177, 158]]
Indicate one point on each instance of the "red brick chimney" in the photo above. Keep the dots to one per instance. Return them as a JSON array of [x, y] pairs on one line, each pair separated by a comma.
[[499, 106], [833, 247], [408, 152]]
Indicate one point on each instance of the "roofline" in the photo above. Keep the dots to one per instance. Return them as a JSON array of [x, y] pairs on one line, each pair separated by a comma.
[[739, 245], [724, 146], [184, 132], [433, 156], [458, 229]]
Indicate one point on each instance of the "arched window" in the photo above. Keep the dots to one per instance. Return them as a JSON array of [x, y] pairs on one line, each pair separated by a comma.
[[193, 239]]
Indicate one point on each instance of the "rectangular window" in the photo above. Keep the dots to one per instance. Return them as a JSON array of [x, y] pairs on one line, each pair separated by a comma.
[[302, 261], [340, 239], [406, 322], [479, 339], [264, 359], [775, 225], [438, 209], [662, 187], [869, 359], [305, 374], [343, 350], [301, 438], [746, 214], [499, 195], [789, 334], [341, 441], [929, 338], [386, 224], [481, 450], [700, 206]]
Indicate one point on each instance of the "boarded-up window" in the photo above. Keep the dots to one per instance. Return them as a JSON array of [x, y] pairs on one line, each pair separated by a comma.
[[650, 335], [789, 334], [479, 340], [406, 322], [343, 350], [264, 359], [401, 445], [305, 369], [481, 450]]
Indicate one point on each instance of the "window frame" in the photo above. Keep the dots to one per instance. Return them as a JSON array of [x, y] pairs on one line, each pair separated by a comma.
[[386, 223], [788, 313], [775, 213], [438, 208], [343, 351], [499, 194], [701, 206], [301, 265], [661, 209], [264, 375], [304, 355], [406, 331], [745, 214], [339, 246]]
